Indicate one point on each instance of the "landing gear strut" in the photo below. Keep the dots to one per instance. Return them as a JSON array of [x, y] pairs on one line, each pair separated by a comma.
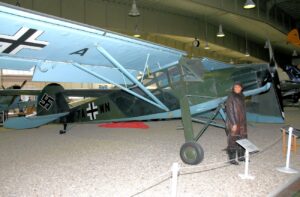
[[191, 152], [64, 130]]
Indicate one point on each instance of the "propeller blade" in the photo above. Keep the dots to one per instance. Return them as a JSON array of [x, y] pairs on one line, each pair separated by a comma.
[[274, 74]]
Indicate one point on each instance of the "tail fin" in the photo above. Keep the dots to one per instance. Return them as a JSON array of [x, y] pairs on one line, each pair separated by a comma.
[[52, 100]]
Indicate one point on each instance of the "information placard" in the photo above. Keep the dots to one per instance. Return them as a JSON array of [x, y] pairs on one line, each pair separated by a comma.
[[249, 146]]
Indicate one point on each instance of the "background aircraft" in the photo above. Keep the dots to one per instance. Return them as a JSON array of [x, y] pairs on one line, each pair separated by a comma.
[[291, 88], [11, 102]]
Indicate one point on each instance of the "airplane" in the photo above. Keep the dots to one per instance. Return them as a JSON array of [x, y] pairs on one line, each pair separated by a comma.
[[293, 72], [11, 102], [14, 102], [291, 88], [150, 81]]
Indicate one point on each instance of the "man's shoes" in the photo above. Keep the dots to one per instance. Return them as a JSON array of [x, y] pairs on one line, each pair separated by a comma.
[[241, 158], [233, 162], [232, 155]]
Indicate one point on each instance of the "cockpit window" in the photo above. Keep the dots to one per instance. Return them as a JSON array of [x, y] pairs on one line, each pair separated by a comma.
[[174, 74], [162, 79], [189, 74]]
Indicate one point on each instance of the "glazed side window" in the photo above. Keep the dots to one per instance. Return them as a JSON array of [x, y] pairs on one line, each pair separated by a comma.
[[189, 75], [162, 79], [174, 74]]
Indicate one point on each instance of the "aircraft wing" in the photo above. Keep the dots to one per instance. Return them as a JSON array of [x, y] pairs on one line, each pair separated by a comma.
[[63, 51]]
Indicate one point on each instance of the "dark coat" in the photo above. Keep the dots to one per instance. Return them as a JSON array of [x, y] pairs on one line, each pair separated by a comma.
[[236, 115]]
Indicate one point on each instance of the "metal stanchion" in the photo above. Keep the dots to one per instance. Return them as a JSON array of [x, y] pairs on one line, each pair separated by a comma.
[[246, 175], [175, 169], [286, 168]]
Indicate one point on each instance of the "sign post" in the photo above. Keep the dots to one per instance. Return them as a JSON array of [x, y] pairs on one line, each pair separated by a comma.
[[249, 147]]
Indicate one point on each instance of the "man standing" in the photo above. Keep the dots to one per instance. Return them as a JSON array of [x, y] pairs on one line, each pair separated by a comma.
[[236, 123]]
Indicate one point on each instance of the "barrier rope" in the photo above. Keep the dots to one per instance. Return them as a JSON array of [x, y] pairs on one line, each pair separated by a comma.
[[164, 177], [198, 169]]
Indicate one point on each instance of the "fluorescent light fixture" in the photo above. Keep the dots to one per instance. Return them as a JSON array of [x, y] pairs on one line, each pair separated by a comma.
[[249, 4], [220, 33], [134, 11]]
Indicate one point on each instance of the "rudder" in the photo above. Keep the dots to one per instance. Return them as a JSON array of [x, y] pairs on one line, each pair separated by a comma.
[[52, 100]]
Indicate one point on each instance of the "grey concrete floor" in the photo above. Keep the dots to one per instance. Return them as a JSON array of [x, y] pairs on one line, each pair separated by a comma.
[[93, 161]]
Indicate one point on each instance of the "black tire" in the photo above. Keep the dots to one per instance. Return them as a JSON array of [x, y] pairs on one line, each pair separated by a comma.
[[191, 153]]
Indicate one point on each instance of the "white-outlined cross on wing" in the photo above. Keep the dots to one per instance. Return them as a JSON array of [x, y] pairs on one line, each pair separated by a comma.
[[25, 38]]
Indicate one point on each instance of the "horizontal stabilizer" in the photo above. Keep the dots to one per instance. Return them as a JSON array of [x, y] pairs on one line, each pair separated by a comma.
[[31, 121]]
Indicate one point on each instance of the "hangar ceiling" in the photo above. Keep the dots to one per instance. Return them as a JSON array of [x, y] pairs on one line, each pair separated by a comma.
[[234, 19]]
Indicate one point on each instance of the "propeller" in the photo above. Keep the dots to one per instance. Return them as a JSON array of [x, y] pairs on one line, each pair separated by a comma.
[[274, 75], [23, 84]]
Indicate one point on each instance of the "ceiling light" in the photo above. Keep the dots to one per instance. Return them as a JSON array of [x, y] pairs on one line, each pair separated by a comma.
[[134, 11], [206, 46], [18, 3], [295, 54], [249, 4], [247, 54], [220, 33], [136, 32], [267, 44]]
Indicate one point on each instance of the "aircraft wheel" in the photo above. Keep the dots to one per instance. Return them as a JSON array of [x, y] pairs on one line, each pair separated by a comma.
[[191, 153]]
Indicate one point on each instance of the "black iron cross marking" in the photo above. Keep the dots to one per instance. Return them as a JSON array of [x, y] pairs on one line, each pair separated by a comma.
[[92, 111], [24, 38], [46, 102]]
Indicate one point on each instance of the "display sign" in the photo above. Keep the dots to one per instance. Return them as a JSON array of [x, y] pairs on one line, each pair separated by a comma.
[[249, 146]]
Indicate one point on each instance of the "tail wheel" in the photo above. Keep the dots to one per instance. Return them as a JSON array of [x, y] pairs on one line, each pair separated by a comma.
[[191, 153]]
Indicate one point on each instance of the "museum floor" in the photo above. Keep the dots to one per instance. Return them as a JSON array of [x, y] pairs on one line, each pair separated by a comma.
[[93, 161]]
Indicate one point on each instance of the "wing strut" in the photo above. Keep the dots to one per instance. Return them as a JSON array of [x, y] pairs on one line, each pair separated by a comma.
[[111, 82], [129, 76]]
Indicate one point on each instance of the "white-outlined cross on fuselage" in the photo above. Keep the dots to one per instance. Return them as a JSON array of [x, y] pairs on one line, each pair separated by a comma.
[[92, 111]]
